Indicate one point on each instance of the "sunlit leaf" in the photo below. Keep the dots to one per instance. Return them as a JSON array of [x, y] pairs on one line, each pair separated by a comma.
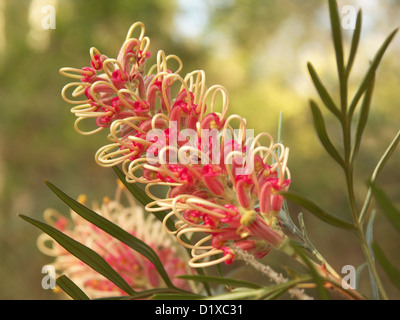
[[71, 288], [83, 253], [354, 43], [370, 73], [383, 160], [337, 37], [323, 93]]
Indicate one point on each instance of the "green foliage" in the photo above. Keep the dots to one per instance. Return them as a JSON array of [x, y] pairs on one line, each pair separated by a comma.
[[345, 157]]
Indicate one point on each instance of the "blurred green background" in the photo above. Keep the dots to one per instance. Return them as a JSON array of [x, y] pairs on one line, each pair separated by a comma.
[[257, 49]]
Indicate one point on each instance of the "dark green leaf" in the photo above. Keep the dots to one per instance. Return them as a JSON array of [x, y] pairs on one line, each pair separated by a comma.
[[323, 93], [362, 121], [83, 253], [175, 296], [144, 199], [317, 211], [387, 206], [323, 135], [220, 280], [114, 231], [71, 288], [354, 42], [370, 73], [136, 191], [390, 270]]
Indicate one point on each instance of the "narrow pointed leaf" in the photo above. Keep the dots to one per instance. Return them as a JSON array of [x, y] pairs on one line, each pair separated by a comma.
[[175, 296], [354, 42], [114, 231], [83, 253], [369, 235], [323, 93], [136, 191], [144, 199], [383, 160], [321, 290], [370, 73], [391, 271], [320, 128], [220, 280], [337, 37], [387, 206], [71, 288], [362, 121], [317, 211], [359, 269]]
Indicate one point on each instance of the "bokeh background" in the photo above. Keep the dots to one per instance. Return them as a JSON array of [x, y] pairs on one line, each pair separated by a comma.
[[257, 49]]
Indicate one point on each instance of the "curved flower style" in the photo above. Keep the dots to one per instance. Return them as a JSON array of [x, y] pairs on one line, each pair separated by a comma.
[[113, 89], [231, 204], [137, 271], [174, 131]]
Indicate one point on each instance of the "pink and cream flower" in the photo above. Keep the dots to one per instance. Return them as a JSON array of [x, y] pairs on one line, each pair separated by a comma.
[[166, 130]]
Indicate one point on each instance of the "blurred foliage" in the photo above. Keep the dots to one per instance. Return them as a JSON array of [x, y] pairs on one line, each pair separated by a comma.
[[257, 49]]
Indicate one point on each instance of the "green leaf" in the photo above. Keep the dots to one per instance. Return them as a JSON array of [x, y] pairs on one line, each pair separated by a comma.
[[323, 135], [317, 211], [359, 269], [136, 191], [323, 93], [176, 296], [114, 231], [370, 73], [220, 280], [319, 281], [362, 121], [387, 206], [384, 159], [369, 238], [337, 37], [354, 42], [83, 253], [390, 270], [144, 199], [71, 288]]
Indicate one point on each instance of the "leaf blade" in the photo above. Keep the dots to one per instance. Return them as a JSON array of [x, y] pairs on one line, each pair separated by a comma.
[[71, 288], [317, 211], [390, 270], [323, 92], [370, 72], [220, 280], [319, 125], [115, 231], [83, 253]]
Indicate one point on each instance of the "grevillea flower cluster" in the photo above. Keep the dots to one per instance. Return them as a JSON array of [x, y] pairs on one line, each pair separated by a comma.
[[223, 182], [136, 270]]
